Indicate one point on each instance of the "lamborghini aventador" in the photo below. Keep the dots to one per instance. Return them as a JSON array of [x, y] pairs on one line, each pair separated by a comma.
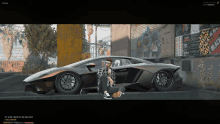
[[72, 78]]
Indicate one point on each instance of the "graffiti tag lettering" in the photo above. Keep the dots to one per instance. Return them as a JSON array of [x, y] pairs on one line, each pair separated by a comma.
[[215, 45], [215, 36]]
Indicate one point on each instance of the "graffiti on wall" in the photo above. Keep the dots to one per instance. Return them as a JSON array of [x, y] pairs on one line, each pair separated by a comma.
[[182, 29], [210, 41], [204, 42], [215, 40], [147, 45]]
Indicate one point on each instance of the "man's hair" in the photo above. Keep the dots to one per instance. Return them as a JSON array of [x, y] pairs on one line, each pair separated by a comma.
[[109, 59]]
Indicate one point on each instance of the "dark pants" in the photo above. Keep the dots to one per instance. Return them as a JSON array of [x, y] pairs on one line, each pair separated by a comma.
[[111, 90]]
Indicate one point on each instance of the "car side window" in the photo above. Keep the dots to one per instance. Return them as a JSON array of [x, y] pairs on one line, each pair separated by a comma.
[[126, 62], [116, 62], [98, 64], [135, 61]]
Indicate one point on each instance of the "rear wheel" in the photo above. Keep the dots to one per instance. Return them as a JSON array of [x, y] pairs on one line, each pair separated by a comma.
[[68, 83], [163, 81]]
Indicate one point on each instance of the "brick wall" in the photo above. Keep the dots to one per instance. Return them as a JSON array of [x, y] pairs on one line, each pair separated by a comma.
[[13, 66]]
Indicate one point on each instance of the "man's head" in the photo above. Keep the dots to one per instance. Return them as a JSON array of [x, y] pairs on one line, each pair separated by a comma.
[[108, 62]]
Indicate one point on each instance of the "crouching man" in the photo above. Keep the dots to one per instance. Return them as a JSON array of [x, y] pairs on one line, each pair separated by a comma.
[[106, 79]]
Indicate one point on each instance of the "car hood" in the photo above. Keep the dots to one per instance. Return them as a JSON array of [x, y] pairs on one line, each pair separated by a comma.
[[36, 75], [51, 70]]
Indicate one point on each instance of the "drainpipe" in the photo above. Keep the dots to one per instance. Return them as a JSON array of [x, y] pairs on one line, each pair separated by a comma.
[[96, 40]]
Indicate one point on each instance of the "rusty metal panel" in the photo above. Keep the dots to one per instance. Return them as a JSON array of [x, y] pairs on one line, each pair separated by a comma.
[[69, 43], [86, 56]]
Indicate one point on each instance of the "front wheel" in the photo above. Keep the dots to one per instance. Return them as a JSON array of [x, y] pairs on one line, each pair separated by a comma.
[[163, 81], [68, 83]]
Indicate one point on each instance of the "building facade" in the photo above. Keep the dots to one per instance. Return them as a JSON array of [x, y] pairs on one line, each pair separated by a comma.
[[121, 39], [12, 66], [197, 39], [103, 47], [152, 41]]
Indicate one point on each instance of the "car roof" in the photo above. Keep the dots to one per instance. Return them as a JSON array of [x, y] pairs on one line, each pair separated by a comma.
[[90, 59]]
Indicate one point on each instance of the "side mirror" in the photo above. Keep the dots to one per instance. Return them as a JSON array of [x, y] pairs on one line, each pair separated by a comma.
[[90, 65]]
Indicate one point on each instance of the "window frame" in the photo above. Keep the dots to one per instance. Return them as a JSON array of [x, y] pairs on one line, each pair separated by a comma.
[[89, 62]]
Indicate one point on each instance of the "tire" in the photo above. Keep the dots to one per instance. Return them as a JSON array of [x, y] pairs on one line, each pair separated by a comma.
[[163, 81], [66, 87]]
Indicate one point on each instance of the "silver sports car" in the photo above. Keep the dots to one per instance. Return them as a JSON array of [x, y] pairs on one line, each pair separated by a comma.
[[72, 78]]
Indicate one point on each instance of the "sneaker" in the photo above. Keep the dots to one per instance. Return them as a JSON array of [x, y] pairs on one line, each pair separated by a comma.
[[107, 96]]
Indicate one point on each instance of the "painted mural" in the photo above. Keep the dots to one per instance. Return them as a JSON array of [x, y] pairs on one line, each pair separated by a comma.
[[147, 45]]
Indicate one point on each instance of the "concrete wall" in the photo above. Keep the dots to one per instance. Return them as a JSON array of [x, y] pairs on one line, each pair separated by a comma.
[[69, 44], [121, 34], [167, 41], [193, 77]]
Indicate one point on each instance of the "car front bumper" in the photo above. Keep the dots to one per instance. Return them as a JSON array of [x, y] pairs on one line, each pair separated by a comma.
[[39, 86]]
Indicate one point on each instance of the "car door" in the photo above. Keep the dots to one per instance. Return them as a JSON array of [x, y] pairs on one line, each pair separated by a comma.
[[133, 73], [90, 79], [120, 71]]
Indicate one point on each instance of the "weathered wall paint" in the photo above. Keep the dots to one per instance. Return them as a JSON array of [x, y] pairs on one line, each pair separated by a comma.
[[86, 55], [69, 44], [167, 41], [120, 45], [193, 77]]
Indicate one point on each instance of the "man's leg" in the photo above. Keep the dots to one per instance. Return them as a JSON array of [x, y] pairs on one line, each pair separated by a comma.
[[115, 91], [112, 90], [103, 84]]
